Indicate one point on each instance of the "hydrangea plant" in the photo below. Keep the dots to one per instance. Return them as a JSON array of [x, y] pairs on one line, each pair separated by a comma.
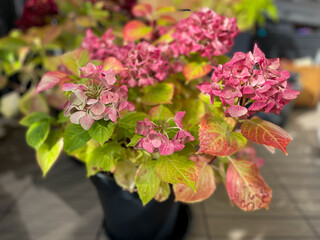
[[145, 109]]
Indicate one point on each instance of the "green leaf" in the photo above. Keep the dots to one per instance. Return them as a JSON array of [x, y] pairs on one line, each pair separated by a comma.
[[158, 94], [105, 158], [75, 137], [147, 181], [177, 169], [49, 151], [134, 140], [37, 133], [161, 113], [125, 174], [101, 130], [10, 43], [127, 124], [35, 117], [163, 193], [75, 59]]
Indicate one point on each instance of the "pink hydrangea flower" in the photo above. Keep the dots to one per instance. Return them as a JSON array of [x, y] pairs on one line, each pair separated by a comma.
[[145, 63], [250, 83], [100, 48], [204, 32], [98, 99], [156, 139]]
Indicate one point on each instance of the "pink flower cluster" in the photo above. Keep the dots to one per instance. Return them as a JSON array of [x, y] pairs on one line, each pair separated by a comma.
[[99, 99], [144, 62], [100, 48], [204, 32], [250, 83], [156, 139]]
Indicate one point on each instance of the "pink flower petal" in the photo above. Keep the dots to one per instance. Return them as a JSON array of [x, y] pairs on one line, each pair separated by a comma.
[[237, 111], [98, 108], [86, 122], [75, 117], [178, 118]]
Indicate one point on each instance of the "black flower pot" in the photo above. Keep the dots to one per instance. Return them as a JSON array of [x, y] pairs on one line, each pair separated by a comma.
[[125, 218]]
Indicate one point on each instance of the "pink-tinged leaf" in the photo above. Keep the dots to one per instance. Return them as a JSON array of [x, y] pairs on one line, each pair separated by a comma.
[[217, 139], [141, 10], [196, 70], [49, 80], [267, 133], [112, 62], [165, 38], [237, 111], [165, 21], [135, 30], [205, 186], [246, 187]]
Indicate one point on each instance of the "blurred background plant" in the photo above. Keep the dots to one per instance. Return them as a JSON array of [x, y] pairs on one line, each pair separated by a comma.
[[44, 32]]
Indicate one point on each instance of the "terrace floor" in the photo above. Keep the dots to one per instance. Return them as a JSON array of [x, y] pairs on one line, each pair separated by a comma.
[[64, 206]]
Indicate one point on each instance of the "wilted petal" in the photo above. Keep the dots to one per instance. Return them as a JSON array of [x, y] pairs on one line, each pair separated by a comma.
[[75, 117], [92, 101]]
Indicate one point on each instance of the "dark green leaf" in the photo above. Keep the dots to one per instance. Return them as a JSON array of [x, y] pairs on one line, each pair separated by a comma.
[[75, 137]]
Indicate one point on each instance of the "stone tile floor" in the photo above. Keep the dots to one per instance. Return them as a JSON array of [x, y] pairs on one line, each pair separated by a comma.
[[64, 206]]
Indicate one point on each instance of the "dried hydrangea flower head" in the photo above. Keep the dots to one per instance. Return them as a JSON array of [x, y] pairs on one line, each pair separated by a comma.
[[250, 83], [204, 32], [155, 136], [98, 99]]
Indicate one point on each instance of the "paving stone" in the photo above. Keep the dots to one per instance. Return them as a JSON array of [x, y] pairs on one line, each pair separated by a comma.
[[246, 228]]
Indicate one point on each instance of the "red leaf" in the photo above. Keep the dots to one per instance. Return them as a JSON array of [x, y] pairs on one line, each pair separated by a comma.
[[112, 62], [141, 10], [267, 133], [205, 186], [217, 139], [246, 187], [50, 79], [196, 70], [135, 30]]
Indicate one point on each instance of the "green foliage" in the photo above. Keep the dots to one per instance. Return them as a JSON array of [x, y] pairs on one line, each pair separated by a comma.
[[35, 117], [177, 169], [37, 133], [127, 124], [49, 151], [101, 130], [147, 181], [161, 93], [75, 59], [75, 137], [104, 158], [134, 140]]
